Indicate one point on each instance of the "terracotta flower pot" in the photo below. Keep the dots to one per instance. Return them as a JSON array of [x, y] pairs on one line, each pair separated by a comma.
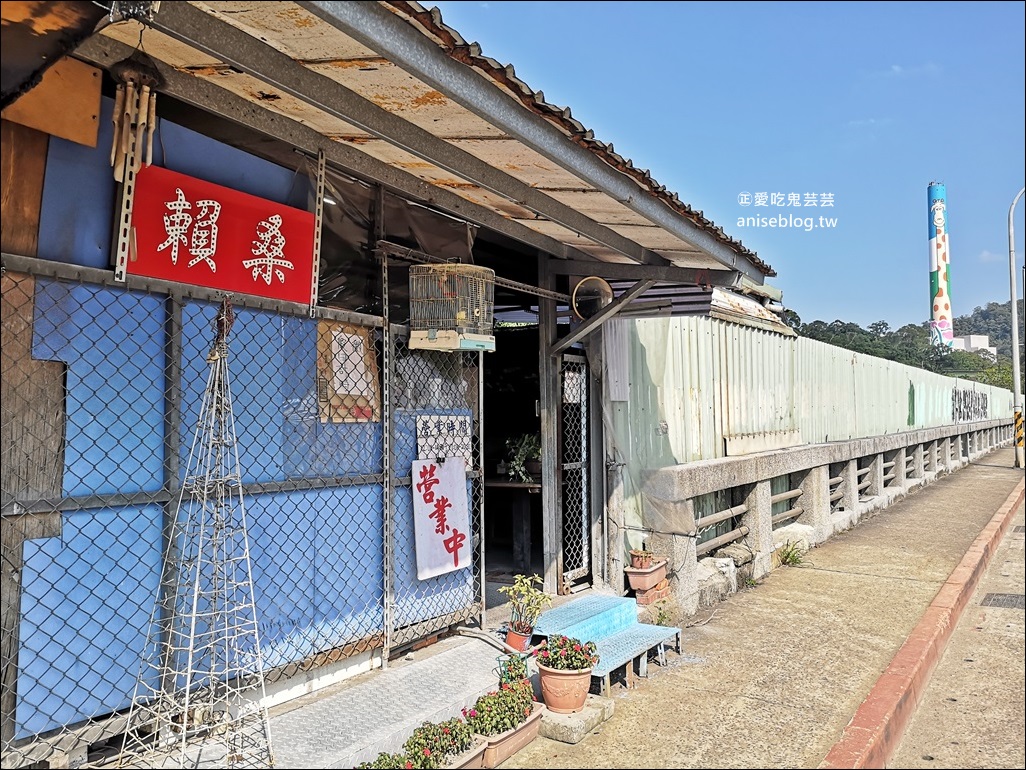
[[641, 559], [504, 745], [518, 642], [642, 579], [564, 692], [472, 757]]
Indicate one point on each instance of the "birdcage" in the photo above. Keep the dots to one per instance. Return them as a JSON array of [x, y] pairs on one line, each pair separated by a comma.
[[451, 307]]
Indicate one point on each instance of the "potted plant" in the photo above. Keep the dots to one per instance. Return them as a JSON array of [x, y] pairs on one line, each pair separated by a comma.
[[524, 457], [644, 578], [564, 671], [508, 717], [641, 558], [526, 602], [448, 744]]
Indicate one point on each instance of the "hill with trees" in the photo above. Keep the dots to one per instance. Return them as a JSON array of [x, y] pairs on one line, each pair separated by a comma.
[[911, 344]]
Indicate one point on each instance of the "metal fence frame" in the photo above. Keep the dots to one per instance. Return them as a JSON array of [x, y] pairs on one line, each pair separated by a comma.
[[27, 519]]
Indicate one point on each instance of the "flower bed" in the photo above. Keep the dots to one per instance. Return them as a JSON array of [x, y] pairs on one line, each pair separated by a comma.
[[435, 745]]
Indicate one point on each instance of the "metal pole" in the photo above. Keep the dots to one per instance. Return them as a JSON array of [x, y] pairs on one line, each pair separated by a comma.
[[1017, 438]]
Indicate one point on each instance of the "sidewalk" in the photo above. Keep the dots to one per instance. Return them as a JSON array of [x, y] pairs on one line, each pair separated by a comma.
[[777, 675], [773, 676]]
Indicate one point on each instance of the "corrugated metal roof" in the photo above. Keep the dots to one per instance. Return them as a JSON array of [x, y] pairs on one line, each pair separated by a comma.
[[470, 54], [531, 189]]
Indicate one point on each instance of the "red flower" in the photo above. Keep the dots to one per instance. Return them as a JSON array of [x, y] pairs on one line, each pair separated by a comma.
[[409, 765], [577, 647], [446, 730], [427, 752]]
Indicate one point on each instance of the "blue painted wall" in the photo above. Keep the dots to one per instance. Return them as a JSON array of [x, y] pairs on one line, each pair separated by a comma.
[[316, 554], [112, 342], [86, 603], [76, 219]]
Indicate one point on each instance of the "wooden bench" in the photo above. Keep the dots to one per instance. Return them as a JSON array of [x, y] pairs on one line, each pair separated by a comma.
[[612, 623]]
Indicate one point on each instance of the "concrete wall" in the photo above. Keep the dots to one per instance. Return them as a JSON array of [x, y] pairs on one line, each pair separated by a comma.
[[840, 483]]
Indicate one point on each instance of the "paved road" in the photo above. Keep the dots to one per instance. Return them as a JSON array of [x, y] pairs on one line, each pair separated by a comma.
[[772, 676], [971, 714]]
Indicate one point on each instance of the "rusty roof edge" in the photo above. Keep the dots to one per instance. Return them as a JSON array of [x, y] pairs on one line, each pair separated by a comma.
[[430, 21]]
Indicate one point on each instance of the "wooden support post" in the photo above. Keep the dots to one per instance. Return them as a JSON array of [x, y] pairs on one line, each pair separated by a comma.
[[548, 383]]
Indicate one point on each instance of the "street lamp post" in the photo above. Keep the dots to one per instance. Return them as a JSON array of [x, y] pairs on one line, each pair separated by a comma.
[[1016, 377]]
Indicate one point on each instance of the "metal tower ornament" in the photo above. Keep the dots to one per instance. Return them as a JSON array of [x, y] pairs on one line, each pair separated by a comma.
[[198, 699]]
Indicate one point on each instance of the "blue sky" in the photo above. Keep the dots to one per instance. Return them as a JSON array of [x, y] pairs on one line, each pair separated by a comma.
[[868, 101]]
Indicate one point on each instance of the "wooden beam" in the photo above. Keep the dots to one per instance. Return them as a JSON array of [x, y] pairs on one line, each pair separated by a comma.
[[552, 482], [600, 317], [666, 273], [24, 161], [66, 103]]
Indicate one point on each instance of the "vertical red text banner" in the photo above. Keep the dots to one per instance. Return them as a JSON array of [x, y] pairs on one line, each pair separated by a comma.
[[441, 516]]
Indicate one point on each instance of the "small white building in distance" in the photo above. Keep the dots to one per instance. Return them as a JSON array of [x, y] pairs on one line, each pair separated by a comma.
[[974, 343]]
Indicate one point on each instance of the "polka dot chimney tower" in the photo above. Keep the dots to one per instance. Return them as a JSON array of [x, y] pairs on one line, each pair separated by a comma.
[[941, 327]]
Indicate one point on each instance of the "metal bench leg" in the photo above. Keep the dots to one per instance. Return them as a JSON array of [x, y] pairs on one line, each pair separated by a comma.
[[605, 685], [662, 654], [643, 665]]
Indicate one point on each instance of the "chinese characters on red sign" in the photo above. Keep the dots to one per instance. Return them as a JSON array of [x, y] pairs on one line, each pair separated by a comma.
[[196, 232], [441, 517]]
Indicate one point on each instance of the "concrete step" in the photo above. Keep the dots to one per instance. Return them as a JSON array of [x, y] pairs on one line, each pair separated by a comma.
[[589, 617]]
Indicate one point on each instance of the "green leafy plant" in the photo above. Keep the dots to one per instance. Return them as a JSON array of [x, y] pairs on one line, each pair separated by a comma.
[[502, 709], [662, 614], [520, 449], [386, 761], [791, 554], [526, 602], [513, 668], [432, 745], [567, 653]]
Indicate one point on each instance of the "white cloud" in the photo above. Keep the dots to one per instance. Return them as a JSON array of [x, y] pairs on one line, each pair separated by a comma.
[[916, 70], [868, 122], [989, 256]]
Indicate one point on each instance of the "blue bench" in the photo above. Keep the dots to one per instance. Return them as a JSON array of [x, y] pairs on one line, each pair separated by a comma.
[[612, 623]]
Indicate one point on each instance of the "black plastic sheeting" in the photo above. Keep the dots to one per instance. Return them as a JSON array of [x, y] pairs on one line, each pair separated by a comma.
[[350, 274]]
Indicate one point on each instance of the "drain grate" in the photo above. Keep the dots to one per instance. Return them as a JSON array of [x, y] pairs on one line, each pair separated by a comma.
[[1019, 530], [1008, 601]]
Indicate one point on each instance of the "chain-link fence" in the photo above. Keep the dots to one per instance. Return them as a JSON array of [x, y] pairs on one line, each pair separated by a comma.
[[102, 389], [435, 416]]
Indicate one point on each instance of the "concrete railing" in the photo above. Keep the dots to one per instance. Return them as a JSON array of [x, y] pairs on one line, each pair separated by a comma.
[[833, 486]]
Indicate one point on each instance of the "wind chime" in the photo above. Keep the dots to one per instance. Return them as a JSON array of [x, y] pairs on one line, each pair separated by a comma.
[[135, 113]]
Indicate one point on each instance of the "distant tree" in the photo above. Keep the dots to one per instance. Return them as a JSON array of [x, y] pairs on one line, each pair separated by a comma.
[[792, 319], [999, 375], [912, 344], [995, 320], [880, 328]]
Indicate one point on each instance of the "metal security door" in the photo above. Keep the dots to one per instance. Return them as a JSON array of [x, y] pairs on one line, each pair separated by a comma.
[[574, 469]]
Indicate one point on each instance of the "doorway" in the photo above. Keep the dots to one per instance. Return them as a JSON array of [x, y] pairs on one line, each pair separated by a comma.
[[514, 515], [513, 499]]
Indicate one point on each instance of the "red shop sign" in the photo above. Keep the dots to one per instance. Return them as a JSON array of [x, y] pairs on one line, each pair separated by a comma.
[[195, 232]]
